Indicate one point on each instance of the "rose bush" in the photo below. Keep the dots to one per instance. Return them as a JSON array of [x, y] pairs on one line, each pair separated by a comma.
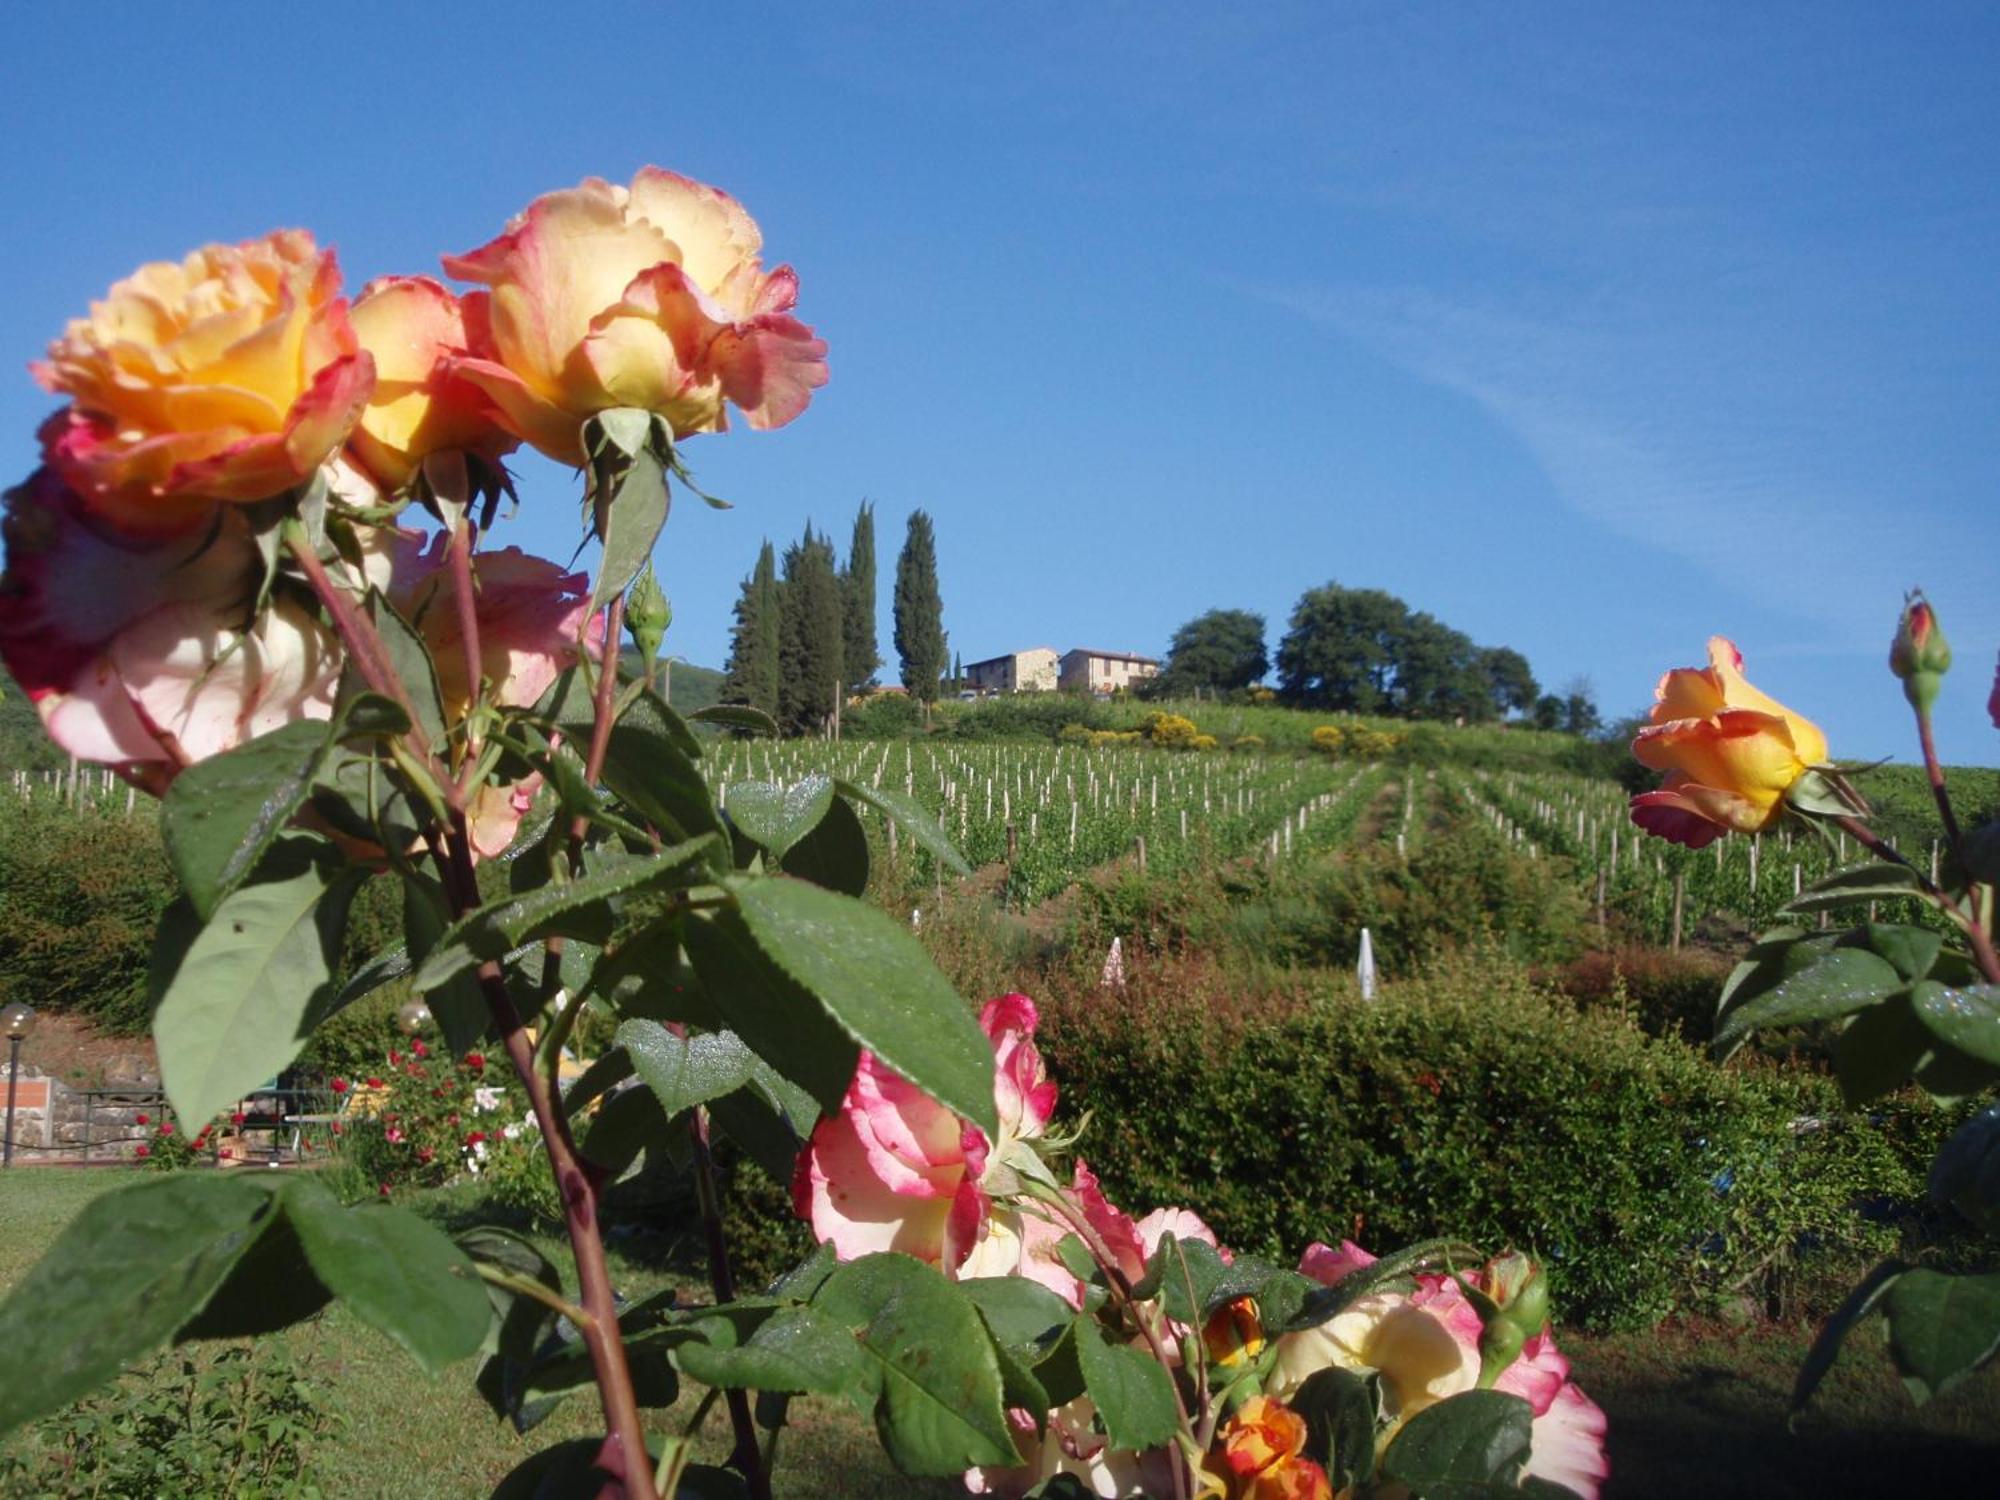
[[230, 375], [1730, 753], [649, 296]]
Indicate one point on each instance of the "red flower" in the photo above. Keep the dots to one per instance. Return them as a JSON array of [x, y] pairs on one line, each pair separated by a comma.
[[395, 1058], [238, 1117], [142, 1151], [383, 1189], [475, 1138], [374, 1083], [420, 1049], [142, 1119], [335, 1127], [339, 1085], [475, 1060], [166, 1127]]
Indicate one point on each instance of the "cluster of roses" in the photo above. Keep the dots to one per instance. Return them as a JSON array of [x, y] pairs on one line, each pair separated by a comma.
[[894, 1170], [138, 608], [423, 1120], [166, 1147]]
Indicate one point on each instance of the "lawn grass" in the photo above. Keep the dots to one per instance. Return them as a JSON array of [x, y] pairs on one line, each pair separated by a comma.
[[1695, 1410]]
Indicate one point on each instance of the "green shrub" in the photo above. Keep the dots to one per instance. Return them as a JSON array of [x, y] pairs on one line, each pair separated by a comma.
[[1472, 1104], [196, 1423]]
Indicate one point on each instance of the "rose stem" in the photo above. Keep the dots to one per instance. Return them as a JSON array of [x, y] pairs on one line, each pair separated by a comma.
[[466, 591], [578, 1187], [1974, 929], [722, 1280], [1936, 774]]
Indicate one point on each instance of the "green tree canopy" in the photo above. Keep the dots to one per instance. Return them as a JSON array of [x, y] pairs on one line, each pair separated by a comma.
[[920, 637], [1217, 652], [859, 656], [810, 636], [752, 675]]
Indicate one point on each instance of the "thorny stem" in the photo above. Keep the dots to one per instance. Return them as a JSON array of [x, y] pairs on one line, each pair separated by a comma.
[[722, 1280], [625, 1447], [1936, 773], [465, 591], [1972, 926]]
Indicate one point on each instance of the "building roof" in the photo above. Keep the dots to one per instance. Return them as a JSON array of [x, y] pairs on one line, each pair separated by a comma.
[[1152, 661], [994, 661]]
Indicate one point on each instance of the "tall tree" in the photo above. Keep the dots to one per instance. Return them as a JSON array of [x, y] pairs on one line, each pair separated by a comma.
[[1580, 715], [1340, 652], [920, 638], [1509, 682], [809, 642], [859, 657], [753, 641], [1218, 652]]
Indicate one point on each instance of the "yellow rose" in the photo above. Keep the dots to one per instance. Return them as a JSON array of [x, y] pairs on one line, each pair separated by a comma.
[[650, 296], [413, 328], [1730, 753], [229, 375]]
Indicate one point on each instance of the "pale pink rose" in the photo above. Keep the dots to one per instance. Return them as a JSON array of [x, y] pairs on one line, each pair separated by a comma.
[[1327, 1265], [1183, 1224], [1023, 1093], [132, 648], [651, 296], [414, 328], [231, 374], [1071, 1444], [1568, 1443]]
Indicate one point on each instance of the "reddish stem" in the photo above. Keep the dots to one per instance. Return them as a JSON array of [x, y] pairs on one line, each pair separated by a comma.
[[465, 590], [722, 1281], [1936, 773], [577, 1183], [1974, 929]]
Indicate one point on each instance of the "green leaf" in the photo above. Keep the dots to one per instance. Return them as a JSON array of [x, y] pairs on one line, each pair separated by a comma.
[[646, 976], [1023, 1314], [576, 908], [650, 760], [271, 1287], [795, 1351], [910, 816], [1966, 1172], [125, 1273], [628, 450], [560, 1473], [775, 1015], [1826, 1348], [777, 817], [1189, 1278], [1879, 1050], [1911, 949], [1340, 1407], [1462, 1447], [1132, 1393], [626, 1124], [1875, 882], [685, 1071], [770, 1131], [936, 1388], [736, 716], [457, 1005], [1843, 981], [834, 854], [411, 659], [1426, 1255], [1966, 1019], [878, 983], [1942, 1327], [240, 1004], [399, 1273], [608, 1069], [222, 814]]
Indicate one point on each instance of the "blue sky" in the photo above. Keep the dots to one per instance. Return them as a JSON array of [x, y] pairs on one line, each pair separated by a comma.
[[1592, 332]]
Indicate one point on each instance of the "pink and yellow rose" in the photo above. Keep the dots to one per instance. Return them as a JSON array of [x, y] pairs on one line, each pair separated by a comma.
[[230, 375], [650, 296], [414, 329], [1259, 1454], [1730, 753]]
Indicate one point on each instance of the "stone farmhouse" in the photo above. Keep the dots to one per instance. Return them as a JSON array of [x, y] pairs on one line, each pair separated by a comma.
[[1040, 670]]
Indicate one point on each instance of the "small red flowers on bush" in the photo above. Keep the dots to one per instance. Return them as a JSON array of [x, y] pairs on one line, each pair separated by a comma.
[[395, 1058], [166, 1127], [475, 1060], [142, 1151], [142, 1119], [420, 1049], [238, 1117], [374, 1083], [475, 1138], [339, 1085]]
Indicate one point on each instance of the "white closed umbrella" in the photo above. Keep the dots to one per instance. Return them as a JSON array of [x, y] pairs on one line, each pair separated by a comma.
[[1364, 967]]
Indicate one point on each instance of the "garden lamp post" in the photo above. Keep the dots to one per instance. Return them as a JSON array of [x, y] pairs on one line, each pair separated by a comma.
[[414, 1019], [17, 1020]]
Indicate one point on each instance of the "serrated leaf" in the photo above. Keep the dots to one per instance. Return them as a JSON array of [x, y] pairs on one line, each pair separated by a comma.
[[1340, 1409], [577, 908], [241, 1002], [1966, 1018], [1461, 1447], [910, 816], [411, 659], [1826, 1348], [1860, 883], [777, 817], [1133, 1395], [736, 716], [1879, 1050], [1023, 1314], [685, 1071], [1911, 949], [1942, 1327], [877, 982], [794, 1351], [222, 814], [834, 854], [1843, 981], [399, 1273], [132, 1267]]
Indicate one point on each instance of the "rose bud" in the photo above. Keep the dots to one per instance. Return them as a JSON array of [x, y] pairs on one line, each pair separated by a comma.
[[1920, 654]]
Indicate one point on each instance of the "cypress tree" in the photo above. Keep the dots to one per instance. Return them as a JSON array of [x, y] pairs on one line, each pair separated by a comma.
[[859, 658], [809, 641], [920, 640], [753, 642]]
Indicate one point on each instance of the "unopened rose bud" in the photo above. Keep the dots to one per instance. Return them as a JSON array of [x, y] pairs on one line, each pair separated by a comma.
[[1920, 654], [1512, 1301], [647, 614], [1234, 1334]]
